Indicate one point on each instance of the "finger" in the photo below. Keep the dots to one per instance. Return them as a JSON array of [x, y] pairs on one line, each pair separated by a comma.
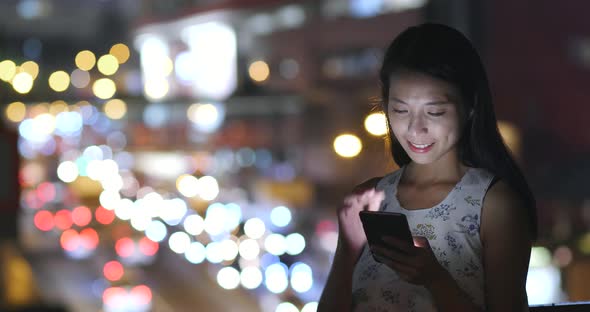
[[375, 201], [421, 241], [397, 243], [392, 254]]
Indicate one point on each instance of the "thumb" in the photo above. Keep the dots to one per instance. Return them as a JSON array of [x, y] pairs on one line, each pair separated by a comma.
[[421, 241]]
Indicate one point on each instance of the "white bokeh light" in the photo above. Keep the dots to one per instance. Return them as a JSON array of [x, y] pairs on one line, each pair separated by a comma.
[[156, 231], [228, 278], [195, 253], [275, 244], [280, 216], [214, 252], [179, 242], [254, 228], [249, 249], [251, 277], [67, 171], [194, 224], [301, 277], [286, 307], [275, 278], [295, 243], [208, 188]]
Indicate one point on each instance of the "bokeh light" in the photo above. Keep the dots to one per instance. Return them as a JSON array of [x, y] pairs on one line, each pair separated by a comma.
[[22, 83], [107, 64], [59, 81], [113, 270], [104, 88], [16, 111], [115, 109], [7, 70], [347, 145], [259, 71], [228, 278], [85, 60], [31, 68], [121, 52], [376, 124]]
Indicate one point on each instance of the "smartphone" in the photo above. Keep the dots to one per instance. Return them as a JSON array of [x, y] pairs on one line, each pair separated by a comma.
[[380, 223]]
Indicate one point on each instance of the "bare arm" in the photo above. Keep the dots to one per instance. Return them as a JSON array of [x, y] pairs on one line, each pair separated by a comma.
[[506, 241], [337, 294]]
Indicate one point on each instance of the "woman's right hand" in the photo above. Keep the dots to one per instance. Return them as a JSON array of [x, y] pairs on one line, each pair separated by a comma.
[[351, 238]]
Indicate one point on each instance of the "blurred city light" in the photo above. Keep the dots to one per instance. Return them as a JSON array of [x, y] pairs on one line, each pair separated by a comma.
[[376, 124], [80, 78], [22, 82], [16, 111], [280, 216], [113, 270], [31, 68], [228, 278], [214, 47], [104, 88], [259, 71], [206, 117], [251, 277], [254, 228], [107, 64], [115, 109], [121, 52], [7, 70], [347, 145], [85, 60]]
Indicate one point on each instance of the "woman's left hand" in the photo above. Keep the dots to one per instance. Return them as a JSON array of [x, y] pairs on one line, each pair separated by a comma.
[[415, 264]]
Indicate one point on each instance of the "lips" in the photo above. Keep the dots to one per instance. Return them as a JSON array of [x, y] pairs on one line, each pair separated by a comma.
[[420, 148]]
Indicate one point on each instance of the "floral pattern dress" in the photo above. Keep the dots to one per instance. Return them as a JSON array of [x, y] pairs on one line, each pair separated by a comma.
[[452, 229]]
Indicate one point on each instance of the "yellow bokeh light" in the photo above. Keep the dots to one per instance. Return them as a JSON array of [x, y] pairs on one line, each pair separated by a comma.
[[156, 89], [202, 113], [376, 124], [7, 70], [259, 71], [16, 111], [59, 81], [115, 109], [30, 67], [121, 52], [104, 88], [347, 145], [22, 82], [57, 107], [85, 60], [107, 64]]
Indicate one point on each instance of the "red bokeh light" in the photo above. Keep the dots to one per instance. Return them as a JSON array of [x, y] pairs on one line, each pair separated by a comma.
[[89, 238], [63, 219], [46, 191], [113, 271], [81, 216], [148, 247], [104, 216], [111, 293], [143, 293], [32, 200], [69, 240], [125, 247], [44, 220]]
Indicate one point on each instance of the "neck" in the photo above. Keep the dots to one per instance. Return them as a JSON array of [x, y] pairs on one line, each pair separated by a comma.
[[439, 171]]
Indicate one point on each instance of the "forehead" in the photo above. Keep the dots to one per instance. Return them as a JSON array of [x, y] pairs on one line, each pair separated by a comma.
[[417, 86]]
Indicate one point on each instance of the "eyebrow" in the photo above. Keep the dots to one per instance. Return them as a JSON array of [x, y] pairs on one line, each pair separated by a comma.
[[428, 103]]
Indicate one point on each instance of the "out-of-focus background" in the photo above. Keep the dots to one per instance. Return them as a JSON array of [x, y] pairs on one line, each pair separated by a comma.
[[189, 155]]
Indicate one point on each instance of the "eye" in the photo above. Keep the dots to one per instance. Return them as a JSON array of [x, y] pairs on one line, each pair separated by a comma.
[[436, 114], [399, 111]]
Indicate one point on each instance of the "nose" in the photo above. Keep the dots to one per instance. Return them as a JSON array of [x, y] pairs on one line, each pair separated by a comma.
[[417, 126]]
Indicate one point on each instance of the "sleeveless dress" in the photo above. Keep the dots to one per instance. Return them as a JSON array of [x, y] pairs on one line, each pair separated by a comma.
[[452, 229]]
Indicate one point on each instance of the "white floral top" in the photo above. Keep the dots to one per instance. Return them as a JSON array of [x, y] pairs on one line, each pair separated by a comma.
[[452, 229]]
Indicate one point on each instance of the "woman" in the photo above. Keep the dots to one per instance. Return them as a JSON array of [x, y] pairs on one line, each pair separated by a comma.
[[467, 203]]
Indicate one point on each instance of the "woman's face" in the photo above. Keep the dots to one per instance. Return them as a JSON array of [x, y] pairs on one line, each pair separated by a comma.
[[424, 116]]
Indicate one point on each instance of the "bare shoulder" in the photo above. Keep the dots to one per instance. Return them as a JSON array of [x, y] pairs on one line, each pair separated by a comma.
[[503, 210]]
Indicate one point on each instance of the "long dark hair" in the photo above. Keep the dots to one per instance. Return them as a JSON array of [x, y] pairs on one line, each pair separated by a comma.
[[444, 53]]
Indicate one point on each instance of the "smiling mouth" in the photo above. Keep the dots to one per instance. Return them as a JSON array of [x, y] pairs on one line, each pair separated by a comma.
[[420, 148]]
